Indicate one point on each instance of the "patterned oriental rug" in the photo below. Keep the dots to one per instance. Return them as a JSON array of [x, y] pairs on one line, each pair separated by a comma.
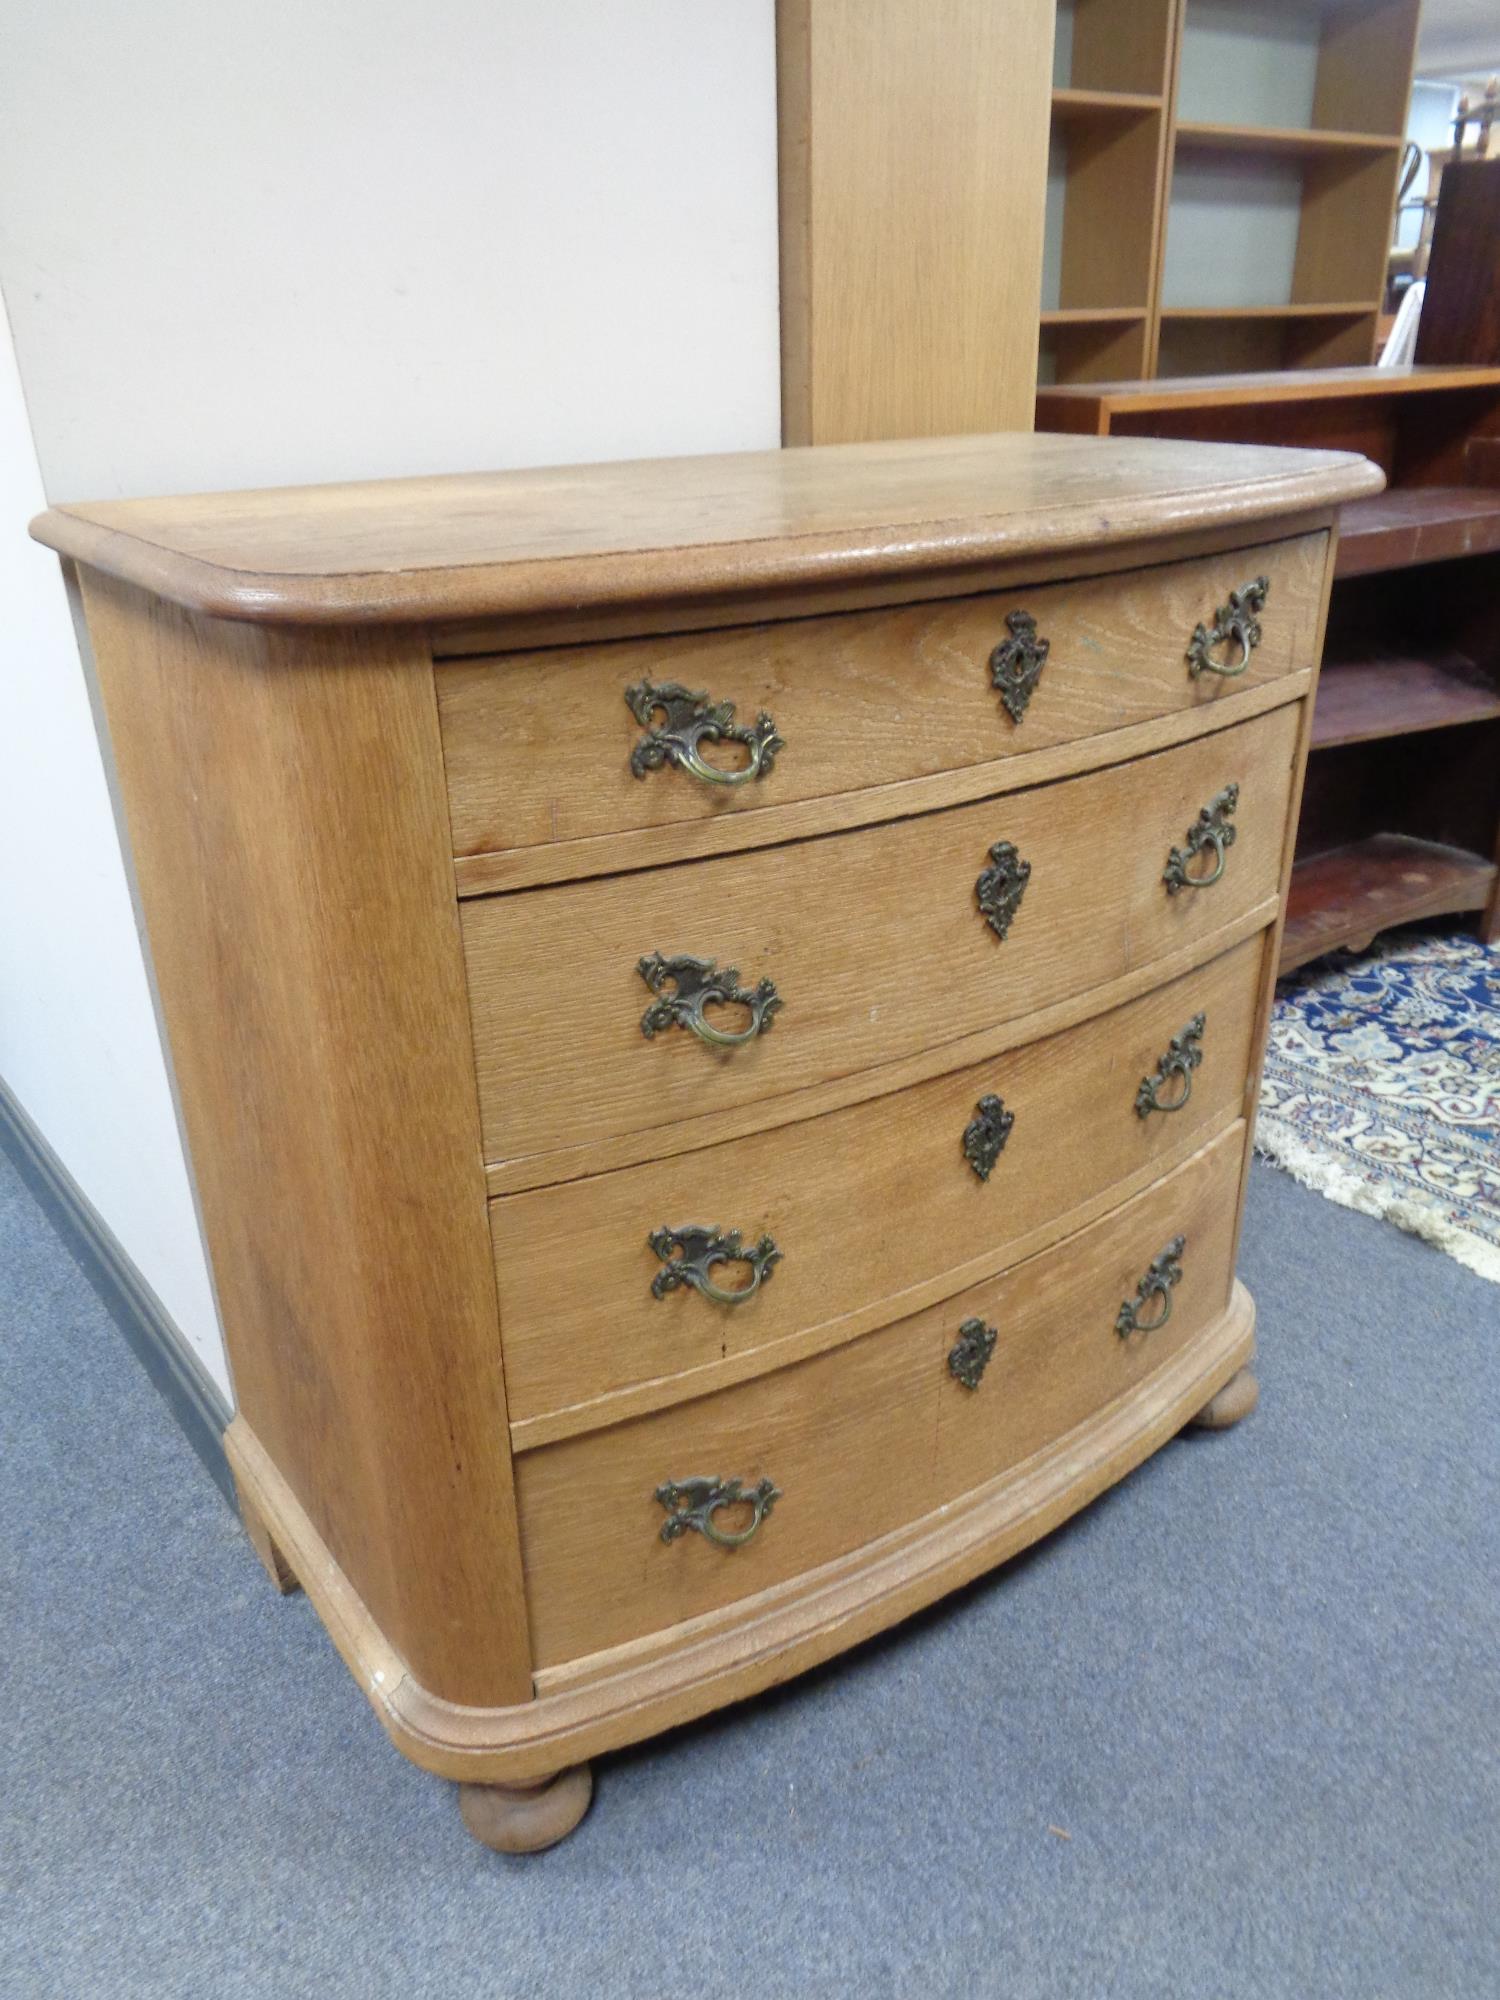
[[1382, 1088]]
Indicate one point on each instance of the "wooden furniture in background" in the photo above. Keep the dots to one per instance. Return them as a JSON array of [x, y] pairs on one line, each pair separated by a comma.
[[483, 827], [1479, 139], [913, 143], [1461, 310], [1401, 813], [1112, 79], [1222, 184]]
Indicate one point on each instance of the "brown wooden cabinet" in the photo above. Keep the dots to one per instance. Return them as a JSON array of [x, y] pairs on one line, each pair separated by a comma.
[[1401, 811], [716, 1006]]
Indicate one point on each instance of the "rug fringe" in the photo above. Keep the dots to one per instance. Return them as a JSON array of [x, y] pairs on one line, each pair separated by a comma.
[[1279, 1144]]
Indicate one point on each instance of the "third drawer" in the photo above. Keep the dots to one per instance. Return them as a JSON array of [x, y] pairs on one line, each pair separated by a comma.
[[874, 1210]]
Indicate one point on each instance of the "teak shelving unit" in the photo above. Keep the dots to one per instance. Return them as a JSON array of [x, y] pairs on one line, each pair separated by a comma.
[[1222, 183], [1401, 809]]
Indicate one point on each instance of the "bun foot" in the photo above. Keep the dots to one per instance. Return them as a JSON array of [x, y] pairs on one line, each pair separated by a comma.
[[1236, 1399], [523, 1819]]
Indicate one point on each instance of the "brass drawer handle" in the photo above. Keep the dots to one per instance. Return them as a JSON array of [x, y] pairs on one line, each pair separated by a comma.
[[1001, 887], [699, 1250], [1211, 829], [1161, 1275], [689, 719], [692, 1503], [685, 986], [1236, 623], [1016, 663], [970, 1354], [986, 1133], [1184, 1053]]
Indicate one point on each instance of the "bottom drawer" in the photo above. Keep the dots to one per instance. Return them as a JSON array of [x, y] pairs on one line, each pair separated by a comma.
[[871, 1436]]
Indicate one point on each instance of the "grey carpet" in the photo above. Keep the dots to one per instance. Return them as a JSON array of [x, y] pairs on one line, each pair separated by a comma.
[[1256, 1687]]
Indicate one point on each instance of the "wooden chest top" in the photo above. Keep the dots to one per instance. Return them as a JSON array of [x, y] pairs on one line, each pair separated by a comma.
[[519, 544]]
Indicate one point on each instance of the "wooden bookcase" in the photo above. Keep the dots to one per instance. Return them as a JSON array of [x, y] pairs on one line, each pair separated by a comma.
[[1222, 183], [1401, 810], [1111, 76]]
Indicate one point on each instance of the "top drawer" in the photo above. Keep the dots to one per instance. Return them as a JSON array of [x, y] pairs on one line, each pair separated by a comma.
[[538, 745]]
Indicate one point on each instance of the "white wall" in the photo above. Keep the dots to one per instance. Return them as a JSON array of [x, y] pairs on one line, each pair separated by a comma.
[[261, 241], [267, 241], [78, 1037]]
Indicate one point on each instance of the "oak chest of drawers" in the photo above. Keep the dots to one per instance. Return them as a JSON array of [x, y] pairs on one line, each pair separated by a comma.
[[716, 1008]]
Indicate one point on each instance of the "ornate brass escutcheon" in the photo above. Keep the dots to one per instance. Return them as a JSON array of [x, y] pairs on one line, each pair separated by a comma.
[[692, 1503], [970, 1354], [1210, 830], [1184, 1053], [1161, 1275], [1016, 663], [685, 986], [1236, 623], [986, 1133], [1001, 887], [689, 719], [690, 1253]]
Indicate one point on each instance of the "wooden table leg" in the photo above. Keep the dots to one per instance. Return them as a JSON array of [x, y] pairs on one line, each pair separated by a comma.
[[523, 1819], [1236, 1399], [276, 1566]]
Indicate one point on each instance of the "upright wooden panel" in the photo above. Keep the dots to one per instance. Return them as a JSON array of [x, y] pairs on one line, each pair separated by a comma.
[[1122, 44], [1461, 312], [913, 173], [285, 808], [1365, 65], [1112, 213], [1344, 238]]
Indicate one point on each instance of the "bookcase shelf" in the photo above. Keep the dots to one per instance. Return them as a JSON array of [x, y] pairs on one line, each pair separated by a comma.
[[1077, 107], [1223, 179], [1347, 895], [1344, 310], [1093, 316], [1306, 143], [1389, 692]]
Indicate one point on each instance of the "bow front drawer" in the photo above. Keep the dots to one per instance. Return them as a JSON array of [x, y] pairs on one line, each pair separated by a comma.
[[824, 958], [625, 1291], [575, 745], [760, 1483]]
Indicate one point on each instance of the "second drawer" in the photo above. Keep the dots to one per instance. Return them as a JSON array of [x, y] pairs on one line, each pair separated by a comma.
[[874, 1210], [881, 943]]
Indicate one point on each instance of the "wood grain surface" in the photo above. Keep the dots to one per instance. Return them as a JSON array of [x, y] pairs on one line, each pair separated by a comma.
[[893, 167], [286, 818], [1090, 406], [605, 1700], [874, 941], [875, 1210], [538, 746], [476, 545], [596, 1155], [865, 1439]]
